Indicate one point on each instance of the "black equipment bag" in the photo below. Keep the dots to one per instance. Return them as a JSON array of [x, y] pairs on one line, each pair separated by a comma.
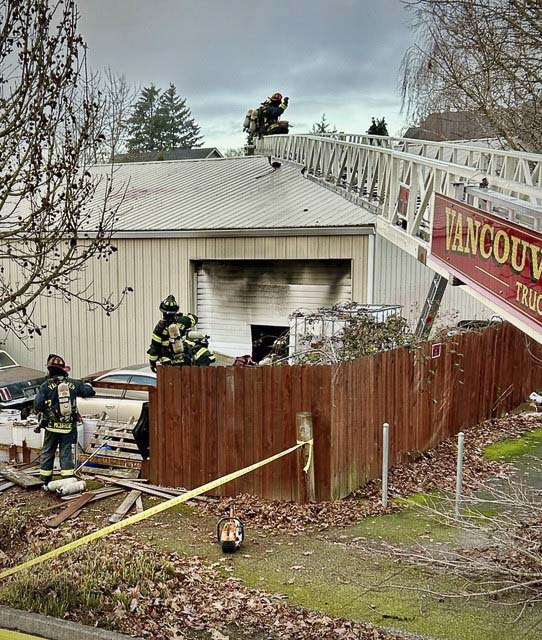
[[141, 431]]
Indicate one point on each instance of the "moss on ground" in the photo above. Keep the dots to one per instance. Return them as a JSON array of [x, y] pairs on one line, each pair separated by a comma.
[[344, 572], [514, 448]]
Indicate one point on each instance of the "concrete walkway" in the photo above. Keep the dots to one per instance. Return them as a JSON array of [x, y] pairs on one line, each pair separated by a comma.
[[15, 624]]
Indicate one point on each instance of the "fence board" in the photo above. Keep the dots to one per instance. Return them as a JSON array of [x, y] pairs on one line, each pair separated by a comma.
[[208, 422]]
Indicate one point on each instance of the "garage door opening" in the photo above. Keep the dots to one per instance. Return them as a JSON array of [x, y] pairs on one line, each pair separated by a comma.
[[235, 295], [263, 339]]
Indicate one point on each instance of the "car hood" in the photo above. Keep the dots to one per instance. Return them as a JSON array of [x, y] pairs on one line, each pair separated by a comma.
[[11, 375]]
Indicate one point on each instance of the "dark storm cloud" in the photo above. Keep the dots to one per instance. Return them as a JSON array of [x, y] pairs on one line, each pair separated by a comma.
[[340, 56]]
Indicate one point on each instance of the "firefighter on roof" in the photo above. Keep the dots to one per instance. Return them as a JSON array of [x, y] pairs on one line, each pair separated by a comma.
[[171, 343], [265, 119], [273, 108], [56, 400]]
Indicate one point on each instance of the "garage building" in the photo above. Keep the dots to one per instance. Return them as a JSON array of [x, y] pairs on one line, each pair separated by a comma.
[[239, 242]]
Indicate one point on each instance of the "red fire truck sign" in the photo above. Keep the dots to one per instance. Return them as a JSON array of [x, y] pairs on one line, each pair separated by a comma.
[[491, 254]]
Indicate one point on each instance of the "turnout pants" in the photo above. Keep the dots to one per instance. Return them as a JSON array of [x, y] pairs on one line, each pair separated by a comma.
[[64, 442]]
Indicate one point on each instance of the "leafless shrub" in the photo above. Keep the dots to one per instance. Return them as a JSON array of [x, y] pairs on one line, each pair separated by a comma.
[[505, 518], [51, 221], [479, 56]]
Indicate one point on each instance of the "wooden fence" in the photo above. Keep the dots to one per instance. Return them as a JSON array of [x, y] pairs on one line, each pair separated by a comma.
[[206, 422]]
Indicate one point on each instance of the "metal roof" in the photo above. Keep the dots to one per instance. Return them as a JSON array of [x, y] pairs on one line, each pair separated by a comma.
[[225, 194]]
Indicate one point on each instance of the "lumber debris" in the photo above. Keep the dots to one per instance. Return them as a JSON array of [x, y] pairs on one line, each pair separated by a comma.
[[144, 488], [6, 485], [125, 506], [151, 489], [21, 478], [124, 473], [73, 509]]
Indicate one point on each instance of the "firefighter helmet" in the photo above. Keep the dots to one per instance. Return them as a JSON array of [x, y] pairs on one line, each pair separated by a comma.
[[56, 362], [169, 305], [276, 97]]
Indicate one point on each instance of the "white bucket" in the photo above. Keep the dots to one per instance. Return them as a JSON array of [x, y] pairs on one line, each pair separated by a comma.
[[18, 434], [26, 432], [34, 440], [6, 436], [89, 427]]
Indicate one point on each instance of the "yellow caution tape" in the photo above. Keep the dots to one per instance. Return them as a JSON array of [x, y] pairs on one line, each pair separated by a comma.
[[150, 512], [309, 459], [15, 635]]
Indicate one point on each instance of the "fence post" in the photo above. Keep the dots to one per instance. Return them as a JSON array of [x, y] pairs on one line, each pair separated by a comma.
[[305, 457], [385, 447], [459, 471]]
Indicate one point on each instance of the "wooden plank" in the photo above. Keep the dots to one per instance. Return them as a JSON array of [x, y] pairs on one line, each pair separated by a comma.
[[115, 445], [6, 485], [128, 473], [140, 487], [72, 510], [139, 505], [112, 461], [122, 385], [116, 433], [21, 479], [97, 494], [125, 506], [112, 453]]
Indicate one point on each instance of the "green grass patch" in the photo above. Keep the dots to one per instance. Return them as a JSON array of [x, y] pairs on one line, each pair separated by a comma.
[[360, 585], [513, 448]]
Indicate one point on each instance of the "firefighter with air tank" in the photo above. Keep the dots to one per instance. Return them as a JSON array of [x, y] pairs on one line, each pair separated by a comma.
[[174, 341], [56, 402]]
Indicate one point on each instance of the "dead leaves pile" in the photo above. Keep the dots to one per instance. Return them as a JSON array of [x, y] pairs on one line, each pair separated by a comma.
[[184, 595], [422, 472], [435, 469]]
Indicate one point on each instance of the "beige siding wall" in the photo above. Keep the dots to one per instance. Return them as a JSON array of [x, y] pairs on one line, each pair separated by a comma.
[[91, 341], [401, 279]]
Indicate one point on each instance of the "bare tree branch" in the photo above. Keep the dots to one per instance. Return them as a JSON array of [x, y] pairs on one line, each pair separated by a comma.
[[51, 220], [480, 56]]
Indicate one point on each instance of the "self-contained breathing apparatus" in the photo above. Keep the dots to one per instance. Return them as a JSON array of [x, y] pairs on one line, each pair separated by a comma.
[[175, 339], [61, 410]]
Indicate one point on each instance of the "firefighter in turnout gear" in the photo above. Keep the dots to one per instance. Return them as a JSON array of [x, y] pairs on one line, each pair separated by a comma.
[[56, 401], [265, 119], [273, 108], [170, 344]]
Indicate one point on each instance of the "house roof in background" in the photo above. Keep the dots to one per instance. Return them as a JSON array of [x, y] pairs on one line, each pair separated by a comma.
[[237, 193], [451, 125], [200, 153]]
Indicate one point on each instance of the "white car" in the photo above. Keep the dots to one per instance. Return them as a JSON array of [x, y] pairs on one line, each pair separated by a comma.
[[118, 404]]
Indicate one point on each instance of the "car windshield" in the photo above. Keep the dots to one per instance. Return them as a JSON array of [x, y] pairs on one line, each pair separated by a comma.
[[137, 379], [5, 360]]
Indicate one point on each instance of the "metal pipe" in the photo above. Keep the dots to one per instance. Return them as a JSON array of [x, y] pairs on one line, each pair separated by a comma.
[[385, 445], [459, 471]]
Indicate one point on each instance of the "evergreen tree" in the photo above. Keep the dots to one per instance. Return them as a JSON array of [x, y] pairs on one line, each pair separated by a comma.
[[323, 126], [143, 124], [178, 129], [161, 121], [378, 127]]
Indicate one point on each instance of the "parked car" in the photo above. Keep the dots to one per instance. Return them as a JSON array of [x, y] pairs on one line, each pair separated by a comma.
[[18, 385], [121, 405], [118, 404]]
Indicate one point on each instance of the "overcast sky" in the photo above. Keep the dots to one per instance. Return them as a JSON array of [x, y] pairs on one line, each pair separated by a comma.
[[340, 57]]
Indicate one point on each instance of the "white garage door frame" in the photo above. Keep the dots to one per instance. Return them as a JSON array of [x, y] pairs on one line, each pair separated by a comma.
[[232, 295]]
